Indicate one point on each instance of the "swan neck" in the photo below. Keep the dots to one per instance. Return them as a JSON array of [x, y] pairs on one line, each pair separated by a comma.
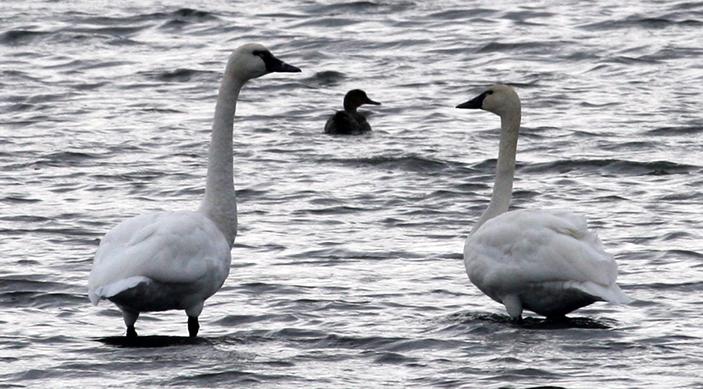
[[505, 168], [219, 203]]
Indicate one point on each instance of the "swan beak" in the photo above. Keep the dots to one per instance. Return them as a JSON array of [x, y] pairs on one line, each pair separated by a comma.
[[475, 103], [274, 64], [283, 67]]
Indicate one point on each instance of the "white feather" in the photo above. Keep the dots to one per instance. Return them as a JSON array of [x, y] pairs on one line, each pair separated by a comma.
[[176, 260], [544, 261], [183, 248], [519, 250]]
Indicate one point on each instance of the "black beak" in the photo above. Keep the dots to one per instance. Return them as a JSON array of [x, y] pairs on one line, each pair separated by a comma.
[[369, 101], [277, 65], [274, 64], [475, 103]]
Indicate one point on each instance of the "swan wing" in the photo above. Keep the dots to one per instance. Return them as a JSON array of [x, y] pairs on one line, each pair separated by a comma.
[[166, 247], [525, 247]]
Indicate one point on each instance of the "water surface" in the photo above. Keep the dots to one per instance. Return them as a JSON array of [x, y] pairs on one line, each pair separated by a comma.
[[347, 270]]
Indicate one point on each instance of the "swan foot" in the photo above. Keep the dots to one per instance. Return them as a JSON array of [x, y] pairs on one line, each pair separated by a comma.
[[193, 326], [131, 332]]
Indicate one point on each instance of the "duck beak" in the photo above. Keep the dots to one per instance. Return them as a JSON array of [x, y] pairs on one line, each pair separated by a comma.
[[475, 103], [369, 101]]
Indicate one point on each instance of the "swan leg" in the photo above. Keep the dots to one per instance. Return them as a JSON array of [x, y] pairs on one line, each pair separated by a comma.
[[129, 319], [131, 332], [193, 326], [193, 313], [513, 306]]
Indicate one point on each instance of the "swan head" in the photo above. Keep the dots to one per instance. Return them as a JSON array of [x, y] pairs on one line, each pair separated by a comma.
[[253, 60], [355, 98], [499, 99]]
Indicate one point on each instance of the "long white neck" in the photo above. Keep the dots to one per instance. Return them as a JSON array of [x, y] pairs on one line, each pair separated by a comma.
[[220, 204], [505, 167]]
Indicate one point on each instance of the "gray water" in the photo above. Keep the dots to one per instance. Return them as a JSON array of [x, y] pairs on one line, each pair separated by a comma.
[[347, 270]]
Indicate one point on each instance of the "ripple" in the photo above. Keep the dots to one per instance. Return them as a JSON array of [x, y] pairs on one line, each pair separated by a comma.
[[21, 37], [676, 131], [642, 22], [232, 377], [411, 163], [180, 75], [327, 78], [614, 166], [42, 300]]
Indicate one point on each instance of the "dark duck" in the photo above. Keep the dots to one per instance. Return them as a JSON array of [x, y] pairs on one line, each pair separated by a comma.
[[349, 121]]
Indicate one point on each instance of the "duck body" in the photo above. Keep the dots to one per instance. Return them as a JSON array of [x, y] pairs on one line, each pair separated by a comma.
[[350, 121], [347, 123]]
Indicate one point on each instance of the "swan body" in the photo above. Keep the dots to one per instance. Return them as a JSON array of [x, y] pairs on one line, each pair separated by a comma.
[[545, 261], [176, 260], [350, 121], [183, 252]]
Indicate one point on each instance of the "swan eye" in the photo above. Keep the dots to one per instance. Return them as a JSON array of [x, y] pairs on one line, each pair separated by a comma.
[[489, 92], [262, 53]]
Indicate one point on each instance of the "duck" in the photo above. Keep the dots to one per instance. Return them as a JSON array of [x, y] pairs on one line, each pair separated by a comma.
[[349, 121], [544, 261], [175, 260]]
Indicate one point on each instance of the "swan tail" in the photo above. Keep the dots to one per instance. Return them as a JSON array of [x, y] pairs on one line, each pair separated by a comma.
[[115, 288], [611, 293]]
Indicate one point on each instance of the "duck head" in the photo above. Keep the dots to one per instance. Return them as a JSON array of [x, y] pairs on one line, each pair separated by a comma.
[[355, 98]]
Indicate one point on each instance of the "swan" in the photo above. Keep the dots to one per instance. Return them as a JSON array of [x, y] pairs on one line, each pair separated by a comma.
[[176, 260], [545, 261], [349, 121]]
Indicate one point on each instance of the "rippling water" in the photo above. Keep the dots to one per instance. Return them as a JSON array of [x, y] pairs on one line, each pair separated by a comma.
[[347, 270]]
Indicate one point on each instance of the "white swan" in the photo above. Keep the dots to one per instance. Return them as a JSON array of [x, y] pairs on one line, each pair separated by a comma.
[[543, 261], [176, 260]]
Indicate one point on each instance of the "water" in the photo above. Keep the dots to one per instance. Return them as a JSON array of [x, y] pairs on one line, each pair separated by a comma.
[[347, 269]]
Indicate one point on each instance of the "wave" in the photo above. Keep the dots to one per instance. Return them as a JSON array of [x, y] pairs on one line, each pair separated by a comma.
[[411, 163], [462, 14], [182, 14], [180, 75], [327, 78], [615, 166], [359, 7], [21, 37], [676, 130], [90, 27], [237, 320], [232, 377], [186, 16], [35, 299], [545, 46], [692, 286], [642, 22]]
